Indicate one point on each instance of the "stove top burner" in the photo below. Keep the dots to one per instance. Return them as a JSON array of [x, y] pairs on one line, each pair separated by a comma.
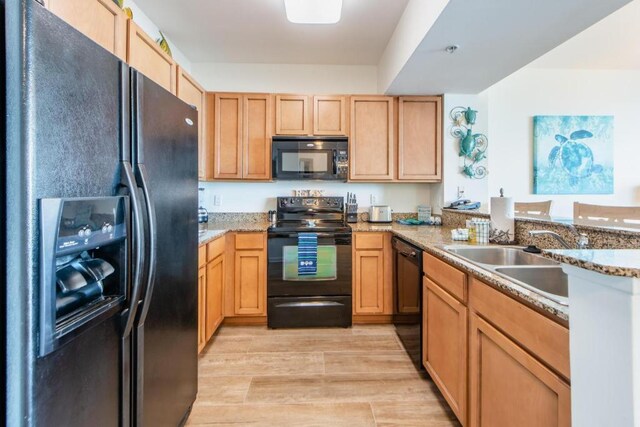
[[310, 214]]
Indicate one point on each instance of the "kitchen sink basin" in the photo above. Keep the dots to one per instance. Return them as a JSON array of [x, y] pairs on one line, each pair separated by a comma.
[[550, 280], [500, 256]]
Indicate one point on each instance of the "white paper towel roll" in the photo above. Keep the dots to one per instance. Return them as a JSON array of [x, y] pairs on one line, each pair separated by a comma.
[[502, 215]]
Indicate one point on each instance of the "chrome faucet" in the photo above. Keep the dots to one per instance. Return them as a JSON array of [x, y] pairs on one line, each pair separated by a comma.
[[582, 241]]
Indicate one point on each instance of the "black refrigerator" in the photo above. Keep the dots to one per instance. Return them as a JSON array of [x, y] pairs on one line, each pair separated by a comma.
[[100, 209]]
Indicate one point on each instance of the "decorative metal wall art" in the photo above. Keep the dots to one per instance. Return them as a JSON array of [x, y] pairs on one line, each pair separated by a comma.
[[473, 147]]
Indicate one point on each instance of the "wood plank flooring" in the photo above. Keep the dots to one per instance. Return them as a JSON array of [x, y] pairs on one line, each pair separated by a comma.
[[253, 376]]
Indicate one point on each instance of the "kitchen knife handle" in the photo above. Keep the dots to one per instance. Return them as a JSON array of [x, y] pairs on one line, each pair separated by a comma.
[[151, 218], [127, 181]]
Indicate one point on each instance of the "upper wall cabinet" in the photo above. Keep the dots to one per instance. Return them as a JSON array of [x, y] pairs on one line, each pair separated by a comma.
[[188, 90], [256, 137], [227, 136], [292, 115], [420, 138], [371, 145], [242, 136], [330, 115], [100, 20], [144, 54]]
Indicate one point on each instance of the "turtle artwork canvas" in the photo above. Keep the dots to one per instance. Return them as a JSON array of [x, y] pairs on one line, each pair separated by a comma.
[[573, 154]]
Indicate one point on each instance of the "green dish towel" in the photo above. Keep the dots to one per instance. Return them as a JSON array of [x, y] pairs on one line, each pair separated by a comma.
[[412, 221]]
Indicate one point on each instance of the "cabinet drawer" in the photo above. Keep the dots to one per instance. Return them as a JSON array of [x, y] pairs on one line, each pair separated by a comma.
[[541, 336], [449, 278], [215, 248], [369, 240], [249, 241], [202, 256]]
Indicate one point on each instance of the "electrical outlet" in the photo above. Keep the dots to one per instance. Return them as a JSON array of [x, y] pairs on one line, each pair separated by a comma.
[[372, 199], [217, 200]]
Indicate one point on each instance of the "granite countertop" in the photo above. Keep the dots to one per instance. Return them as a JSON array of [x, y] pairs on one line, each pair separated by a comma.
[[431, 239], [614, 262], [220, 228]]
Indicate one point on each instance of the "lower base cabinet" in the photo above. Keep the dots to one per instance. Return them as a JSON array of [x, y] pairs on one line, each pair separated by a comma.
[[211, 278], [444, 345], [202, 298], [509, 387], [497, 361], [215, 284]]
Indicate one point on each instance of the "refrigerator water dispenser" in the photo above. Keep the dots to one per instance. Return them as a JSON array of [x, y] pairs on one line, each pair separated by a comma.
[[83, 265]]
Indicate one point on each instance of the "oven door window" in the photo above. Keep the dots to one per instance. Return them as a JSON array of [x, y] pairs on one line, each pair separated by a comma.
[[327, 264]]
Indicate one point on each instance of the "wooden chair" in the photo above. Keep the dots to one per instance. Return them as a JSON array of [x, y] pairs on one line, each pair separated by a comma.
[[537, 209], [611, 216]]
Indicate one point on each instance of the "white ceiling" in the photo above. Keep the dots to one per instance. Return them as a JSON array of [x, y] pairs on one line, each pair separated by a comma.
[[496, 38], [613, 43], [257, 31]]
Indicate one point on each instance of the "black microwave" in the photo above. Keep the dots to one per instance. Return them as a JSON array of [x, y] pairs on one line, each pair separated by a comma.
[[313, 158]]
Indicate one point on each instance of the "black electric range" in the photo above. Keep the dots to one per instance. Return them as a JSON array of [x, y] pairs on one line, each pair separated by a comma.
[[303, 299]]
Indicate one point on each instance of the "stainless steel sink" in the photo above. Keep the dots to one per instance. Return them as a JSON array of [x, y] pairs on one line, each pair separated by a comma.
[[532, 271], [500, 256], [549, 280]]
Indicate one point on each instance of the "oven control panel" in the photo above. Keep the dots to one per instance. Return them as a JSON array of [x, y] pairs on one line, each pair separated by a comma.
[[311, 202]]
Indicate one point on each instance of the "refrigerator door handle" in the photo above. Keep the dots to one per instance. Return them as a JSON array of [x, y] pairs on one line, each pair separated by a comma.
[[127, 180], [151, 220], [148, 294]]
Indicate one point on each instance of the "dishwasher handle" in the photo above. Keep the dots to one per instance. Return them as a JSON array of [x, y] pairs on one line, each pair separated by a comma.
[[406, 250]]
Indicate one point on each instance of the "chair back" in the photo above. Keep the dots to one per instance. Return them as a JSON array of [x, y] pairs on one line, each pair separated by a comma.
[[537, 209], [612, 216]]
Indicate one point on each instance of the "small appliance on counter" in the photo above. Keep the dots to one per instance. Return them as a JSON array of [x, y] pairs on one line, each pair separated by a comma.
[[203, 214], [380, 213], [351, 209]]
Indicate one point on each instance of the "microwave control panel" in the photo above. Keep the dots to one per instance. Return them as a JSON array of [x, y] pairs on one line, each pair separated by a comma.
[[342, 162]]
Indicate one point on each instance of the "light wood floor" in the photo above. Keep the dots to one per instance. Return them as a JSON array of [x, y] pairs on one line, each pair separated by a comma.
[[362, 376]]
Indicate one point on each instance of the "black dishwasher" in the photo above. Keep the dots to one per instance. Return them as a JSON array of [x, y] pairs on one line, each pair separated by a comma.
[[407, 282]]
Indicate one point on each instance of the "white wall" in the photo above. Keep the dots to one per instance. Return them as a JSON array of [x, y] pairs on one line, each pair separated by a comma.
[[529, 92], [140, 18], [261, 197], [286, 78]]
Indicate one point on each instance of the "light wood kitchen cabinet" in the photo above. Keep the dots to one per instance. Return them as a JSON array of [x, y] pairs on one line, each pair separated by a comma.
[[146, 56], [444, 344], [292, 115], [190, 91], [100, 20], [330, 115], [420, 138], [242, 136], [256, 137], [228, 136], [371, 145], [496, 360], [214, 295], [250, 275], [509, 387], [202, 307], [372, 292]]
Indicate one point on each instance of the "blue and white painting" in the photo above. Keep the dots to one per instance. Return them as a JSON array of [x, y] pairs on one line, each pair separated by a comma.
[[573, 154]]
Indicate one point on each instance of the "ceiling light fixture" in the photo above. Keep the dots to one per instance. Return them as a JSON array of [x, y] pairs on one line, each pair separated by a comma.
[[313, 11]]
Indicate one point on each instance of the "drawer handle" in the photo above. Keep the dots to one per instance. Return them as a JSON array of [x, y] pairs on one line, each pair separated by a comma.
[[310, 304]]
